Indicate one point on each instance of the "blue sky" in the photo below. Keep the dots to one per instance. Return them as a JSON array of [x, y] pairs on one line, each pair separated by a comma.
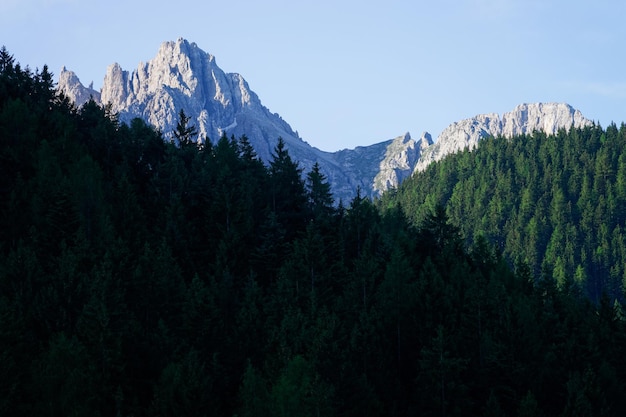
[[350, 73]]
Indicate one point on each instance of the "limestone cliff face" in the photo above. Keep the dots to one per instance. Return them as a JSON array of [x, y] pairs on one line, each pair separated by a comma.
[[74, 90], [401, 155], [182, 76], [525, 118], [546, 117]]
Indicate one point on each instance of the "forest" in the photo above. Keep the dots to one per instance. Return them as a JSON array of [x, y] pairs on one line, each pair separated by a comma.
[[144, 275], [556, 203]]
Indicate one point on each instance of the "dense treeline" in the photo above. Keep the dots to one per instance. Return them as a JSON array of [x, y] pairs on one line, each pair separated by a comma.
[[142, 277], [556, 202]]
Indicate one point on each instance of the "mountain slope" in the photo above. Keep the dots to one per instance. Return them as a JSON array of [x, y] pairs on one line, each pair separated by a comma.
[[173, 280], [555, 202]]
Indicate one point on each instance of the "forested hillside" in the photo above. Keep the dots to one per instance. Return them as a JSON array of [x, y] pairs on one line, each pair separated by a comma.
[[557, 203], [144, 278]]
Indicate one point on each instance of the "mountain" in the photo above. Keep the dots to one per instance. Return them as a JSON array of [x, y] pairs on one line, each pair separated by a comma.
[[183, 76], [71, 86], [525, 118], [133, 271]]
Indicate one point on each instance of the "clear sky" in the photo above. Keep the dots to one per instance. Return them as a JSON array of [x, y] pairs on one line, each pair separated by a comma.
[[350, 73]]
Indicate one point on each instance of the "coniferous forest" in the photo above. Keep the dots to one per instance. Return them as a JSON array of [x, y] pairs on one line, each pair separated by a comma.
[[556, 203], [142, 275]]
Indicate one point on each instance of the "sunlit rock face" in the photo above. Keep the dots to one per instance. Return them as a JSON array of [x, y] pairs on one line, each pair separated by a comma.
[[401, 155], [525, 118], [74, 90]]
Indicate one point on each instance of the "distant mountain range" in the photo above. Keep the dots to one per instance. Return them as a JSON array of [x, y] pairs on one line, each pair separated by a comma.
[[183, 76]]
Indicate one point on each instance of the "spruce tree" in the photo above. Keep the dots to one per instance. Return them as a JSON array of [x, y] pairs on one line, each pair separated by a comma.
[[287, 191], [320, 198]]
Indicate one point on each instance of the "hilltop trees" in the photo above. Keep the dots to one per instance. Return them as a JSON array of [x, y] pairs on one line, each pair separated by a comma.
[[142, 277], [550, 201]]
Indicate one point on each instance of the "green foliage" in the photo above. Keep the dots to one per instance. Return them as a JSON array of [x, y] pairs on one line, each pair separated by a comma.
[[64, 382], [287, 190], [142, 278], [320, 198], [184, 133], [300, 392], [546, 200], [183, 388], [253, 395]]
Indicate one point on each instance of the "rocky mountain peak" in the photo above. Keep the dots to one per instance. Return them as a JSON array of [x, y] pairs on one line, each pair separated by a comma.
[[117, 82], [181, 76], [525, 118], [546, 117], [181, 66], [70, 84], [425, 141]]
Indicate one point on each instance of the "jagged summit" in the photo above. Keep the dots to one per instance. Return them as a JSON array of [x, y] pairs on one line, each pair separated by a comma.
[[183, 76], [74, 89], [525, 118], [547, 117]]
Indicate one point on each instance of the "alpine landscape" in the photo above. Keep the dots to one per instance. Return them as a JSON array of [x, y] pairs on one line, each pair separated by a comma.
[[172, 247], [182, 76]]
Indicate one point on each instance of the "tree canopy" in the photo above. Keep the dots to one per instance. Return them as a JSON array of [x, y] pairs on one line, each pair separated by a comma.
[[143, 277], [555, 202]]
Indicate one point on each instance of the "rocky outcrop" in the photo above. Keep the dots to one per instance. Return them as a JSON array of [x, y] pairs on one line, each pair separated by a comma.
[[546, 117], [74, 89], [525, 118], [401, 155]]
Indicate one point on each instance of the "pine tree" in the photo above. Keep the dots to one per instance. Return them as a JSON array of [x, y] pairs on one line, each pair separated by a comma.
[[320, 198], [287, 191], [184, 133]]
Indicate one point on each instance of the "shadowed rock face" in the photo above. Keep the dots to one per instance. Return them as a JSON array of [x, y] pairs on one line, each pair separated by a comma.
[[182, 76]]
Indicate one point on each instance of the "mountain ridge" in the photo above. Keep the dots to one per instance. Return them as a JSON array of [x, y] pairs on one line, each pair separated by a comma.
[[524, 118], [183, 76]]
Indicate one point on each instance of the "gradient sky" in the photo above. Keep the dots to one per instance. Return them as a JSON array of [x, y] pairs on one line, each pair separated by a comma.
[[350, 73]]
